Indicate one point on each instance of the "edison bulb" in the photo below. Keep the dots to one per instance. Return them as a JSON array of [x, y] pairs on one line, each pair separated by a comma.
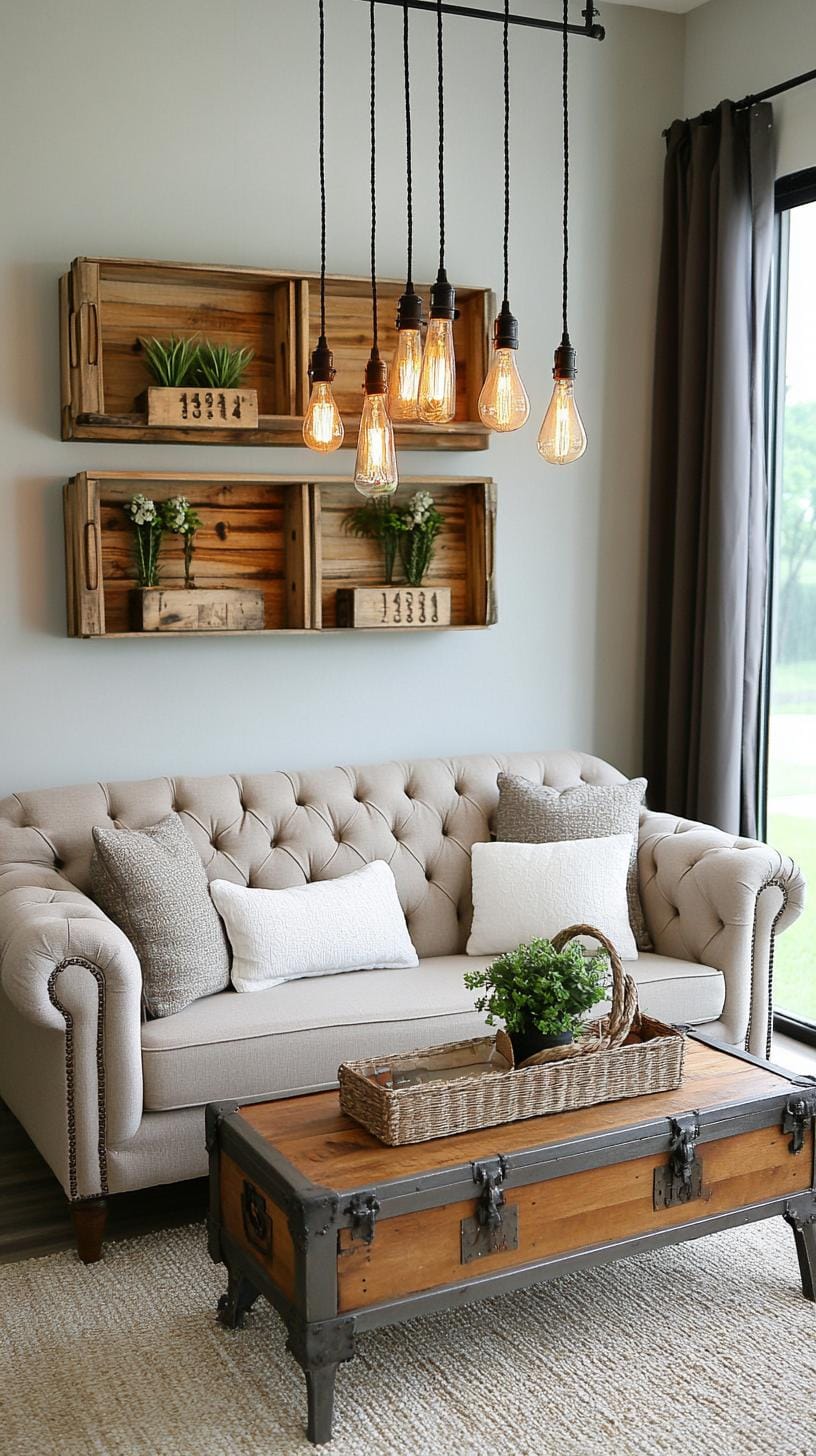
[[375, 470], [562, 437], [322, 425], [403, 380], [437, 381], [503, 402]]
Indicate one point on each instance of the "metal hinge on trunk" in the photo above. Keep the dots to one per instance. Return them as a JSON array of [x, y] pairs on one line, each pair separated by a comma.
[[681, 1179], [494, 1229]]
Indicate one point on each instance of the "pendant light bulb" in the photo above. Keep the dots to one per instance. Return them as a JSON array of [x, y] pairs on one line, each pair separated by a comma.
[[562, 437], [437, 380], [375, 469], [322, 426], [406, 366], [503, 402]]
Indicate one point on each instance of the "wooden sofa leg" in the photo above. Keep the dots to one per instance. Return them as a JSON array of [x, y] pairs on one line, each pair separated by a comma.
[[89, 1219]]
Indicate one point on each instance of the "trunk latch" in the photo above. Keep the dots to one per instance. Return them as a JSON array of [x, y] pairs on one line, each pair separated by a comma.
[[681, 1179], [494, 1229], [363, 1210], [798, 1113]]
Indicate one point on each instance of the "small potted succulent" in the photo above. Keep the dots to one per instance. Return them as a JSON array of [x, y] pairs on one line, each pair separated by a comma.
[[540, 994], [197, 384]]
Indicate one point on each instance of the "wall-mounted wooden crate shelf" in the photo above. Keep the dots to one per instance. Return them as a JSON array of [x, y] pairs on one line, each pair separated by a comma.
[[108, 304], [463, 557], [255, 533], [283, 535]]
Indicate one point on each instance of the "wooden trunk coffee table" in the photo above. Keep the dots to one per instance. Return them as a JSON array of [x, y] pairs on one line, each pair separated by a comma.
[[342, 1234]]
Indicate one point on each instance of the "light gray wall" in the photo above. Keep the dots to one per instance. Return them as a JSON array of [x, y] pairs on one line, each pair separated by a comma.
[[736, 47], [185, 129]]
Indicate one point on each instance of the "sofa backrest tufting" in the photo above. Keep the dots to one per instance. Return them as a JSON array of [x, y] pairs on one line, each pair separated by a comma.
[[281, 829]]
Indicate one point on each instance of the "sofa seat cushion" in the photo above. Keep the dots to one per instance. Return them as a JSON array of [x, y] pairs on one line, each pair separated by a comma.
[[292, 1038]]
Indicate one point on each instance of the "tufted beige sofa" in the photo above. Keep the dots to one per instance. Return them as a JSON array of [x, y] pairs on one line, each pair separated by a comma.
[[116, 1104]]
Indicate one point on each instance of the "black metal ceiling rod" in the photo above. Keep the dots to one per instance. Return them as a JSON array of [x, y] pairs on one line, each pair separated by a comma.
[[590, 29]]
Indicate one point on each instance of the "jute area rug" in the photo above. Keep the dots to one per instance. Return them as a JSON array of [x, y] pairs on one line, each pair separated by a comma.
[[706, 1349]]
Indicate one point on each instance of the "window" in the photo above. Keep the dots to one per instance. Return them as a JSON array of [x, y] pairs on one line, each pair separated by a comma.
[[791, 728]]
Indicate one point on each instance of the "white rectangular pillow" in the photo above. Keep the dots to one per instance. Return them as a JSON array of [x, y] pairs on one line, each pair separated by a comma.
[[525, 891], [353, 923]]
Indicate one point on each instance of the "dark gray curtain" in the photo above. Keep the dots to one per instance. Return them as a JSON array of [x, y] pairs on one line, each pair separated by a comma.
[[708, 555]]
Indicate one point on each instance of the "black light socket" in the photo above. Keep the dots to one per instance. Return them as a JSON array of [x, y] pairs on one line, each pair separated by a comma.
[[443, 297], [505, 329], [376, 377], [564, 366], [409, 309], [321, 367]]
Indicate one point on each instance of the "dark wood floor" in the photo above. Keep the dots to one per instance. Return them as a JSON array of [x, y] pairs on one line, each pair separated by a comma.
[[34, 1216]]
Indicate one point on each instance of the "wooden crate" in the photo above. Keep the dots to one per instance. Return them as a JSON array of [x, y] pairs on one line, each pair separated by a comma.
[[255, 534], [108, 304], [282, 535], [463, 559]]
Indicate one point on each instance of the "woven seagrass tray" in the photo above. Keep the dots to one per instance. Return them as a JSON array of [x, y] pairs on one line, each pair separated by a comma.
[[414, 1096]]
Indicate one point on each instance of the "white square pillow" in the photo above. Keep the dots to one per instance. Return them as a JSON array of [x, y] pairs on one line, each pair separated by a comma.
[[525, 891], [354, 923]]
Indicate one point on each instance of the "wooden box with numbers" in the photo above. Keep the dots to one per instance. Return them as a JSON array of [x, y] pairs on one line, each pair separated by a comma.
[[203, 409], [343, 1234], [394, 606]]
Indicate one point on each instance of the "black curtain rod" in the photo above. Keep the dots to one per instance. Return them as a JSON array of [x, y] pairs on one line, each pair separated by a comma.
[[590, 30], [766, 95]]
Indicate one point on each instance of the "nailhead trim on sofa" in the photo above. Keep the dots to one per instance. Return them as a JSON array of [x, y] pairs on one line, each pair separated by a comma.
[[69, 1072]]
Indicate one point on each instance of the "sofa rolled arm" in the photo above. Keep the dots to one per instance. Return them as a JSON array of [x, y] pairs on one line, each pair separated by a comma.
[[720, 900], [66, 967]]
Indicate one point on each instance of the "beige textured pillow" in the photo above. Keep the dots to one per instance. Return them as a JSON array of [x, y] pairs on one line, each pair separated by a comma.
[[152, 883], [536, 814]]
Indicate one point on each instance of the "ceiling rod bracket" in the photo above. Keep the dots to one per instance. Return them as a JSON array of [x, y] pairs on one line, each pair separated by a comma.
[[590, 30]]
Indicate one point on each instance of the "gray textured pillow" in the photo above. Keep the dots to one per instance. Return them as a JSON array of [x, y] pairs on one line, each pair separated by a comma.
[[536, 814], [151, 882]]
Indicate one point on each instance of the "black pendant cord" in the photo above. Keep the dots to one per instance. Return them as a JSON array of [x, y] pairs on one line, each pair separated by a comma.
[[565, 102], [440, 75], [506, 56], [374, 312], [322, 150], [409, 171]]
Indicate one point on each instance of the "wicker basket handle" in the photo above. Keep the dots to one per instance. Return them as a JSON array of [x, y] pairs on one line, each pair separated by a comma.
[[624, 990]]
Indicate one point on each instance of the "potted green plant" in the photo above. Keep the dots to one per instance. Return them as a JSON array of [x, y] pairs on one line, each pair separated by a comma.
[[540, 994], [410, 531], [220, 366], [187, 608], [421, 524], [197, 384], [180, 518], [379, 520], [148, 527]]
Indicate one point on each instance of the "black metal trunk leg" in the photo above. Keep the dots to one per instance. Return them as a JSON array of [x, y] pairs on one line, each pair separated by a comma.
[[320, 1395], [804, 1233], [236, 1303]]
